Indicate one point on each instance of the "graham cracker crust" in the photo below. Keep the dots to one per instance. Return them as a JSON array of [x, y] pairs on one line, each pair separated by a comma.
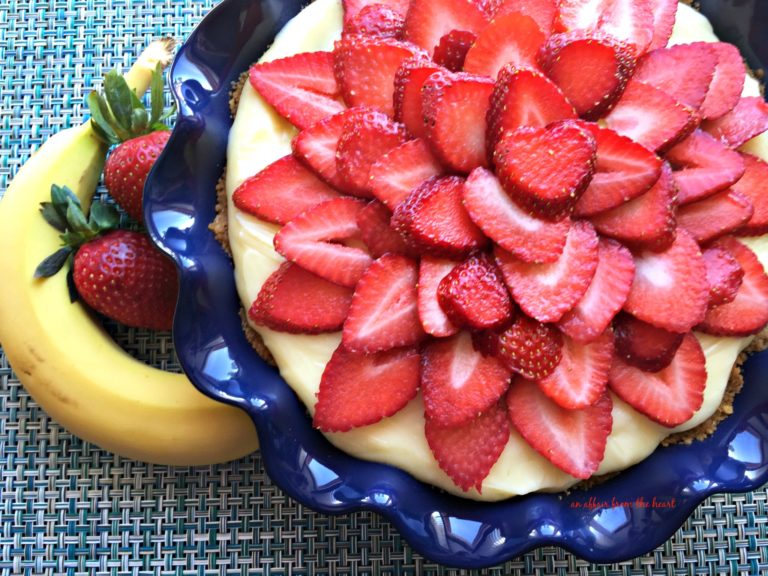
[[705, 429]]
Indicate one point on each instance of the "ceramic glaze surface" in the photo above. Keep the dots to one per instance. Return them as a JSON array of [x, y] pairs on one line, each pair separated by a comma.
[[608, 523]]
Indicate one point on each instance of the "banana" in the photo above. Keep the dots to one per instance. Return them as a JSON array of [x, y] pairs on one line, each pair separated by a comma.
[[66, 361]]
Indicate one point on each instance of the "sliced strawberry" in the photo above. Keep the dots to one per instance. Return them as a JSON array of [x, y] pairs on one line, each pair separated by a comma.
[[454, 108], [727, 83], [282, 191], [361, 389], [409, 79], [376, 233], [429, 20], [311, 240], [523, 97], [670, 288], [643, 345], [747, 314], [457, 382], [452, 50], [543, 12], [703, 166], [316, 146], [365, 69], [724, 275], [664, 12], [547, 291], [512, 38], [670, 396], [748, 119], [366, 136], [376, 20], [629, 21], [384, 311], [433, 318], [605, 296], [468, 452], [591, 69], [715, 216], [683, 71], [473, 294], [754, 185], [651, 117], [527, 237], [527, 347], [623, 170], [579, 14], [581, 377], [302, 88], [324, 304], [648, 221], [353, 7], [433, 219], [546, 169], [401, 170], [573, 440]]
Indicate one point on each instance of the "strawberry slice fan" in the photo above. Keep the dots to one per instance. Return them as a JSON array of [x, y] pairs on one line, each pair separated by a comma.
[[520, 210]]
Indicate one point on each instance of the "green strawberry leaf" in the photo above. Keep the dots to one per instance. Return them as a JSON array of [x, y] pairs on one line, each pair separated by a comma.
[[76, 220], [139, 120], [61, 196], [103, 217], [99, 121], [53, 216], [157, 100], [118, 96], [53, 263]]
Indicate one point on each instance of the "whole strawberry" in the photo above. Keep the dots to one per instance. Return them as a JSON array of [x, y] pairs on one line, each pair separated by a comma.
[[118, 273], [127, 168], [125, 277], [119, 117]]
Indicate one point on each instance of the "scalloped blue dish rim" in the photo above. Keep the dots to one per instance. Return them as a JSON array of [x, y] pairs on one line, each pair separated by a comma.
[[619, 519]]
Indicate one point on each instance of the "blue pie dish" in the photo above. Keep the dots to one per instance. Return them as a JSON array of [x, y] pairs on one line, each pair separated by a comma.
[[179, 206]]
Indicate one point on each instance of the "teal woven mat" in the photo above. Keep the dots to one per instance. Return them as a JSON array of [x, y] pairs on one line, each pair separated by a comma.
[[67, 507]]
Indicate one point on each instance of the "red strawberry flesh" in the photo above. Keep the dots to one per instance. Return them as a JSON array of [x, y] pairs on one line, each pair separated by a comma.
[[670, 289], [527, 237], [547, 291], [605, 296], [282, 191], [302, 88], [454, 109], [715, 216], [546, 169], [747, 314], [473, 294], [581, 377], [670, 396], [572, 440], [401, 170], [361, 389], [384, 310], [724, 275], [311, 240], [433, 219], [643, 345], [324, 305], [459, 383], [468, 452], [434, 321], [527, 347]]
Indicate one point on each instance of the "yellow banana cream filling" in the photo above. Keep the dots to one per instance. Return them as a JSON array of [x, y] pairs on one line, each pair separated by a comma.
[[259, 137]]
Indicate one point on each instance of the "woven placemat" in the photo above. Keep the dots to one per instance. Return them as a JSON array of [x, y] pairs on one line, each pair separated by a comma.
[[67, 507]]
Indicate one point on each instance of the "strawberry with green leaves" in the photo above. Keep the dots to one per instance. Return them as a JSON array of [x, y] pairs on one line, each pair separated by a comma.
[[120, 117], [118, 273]]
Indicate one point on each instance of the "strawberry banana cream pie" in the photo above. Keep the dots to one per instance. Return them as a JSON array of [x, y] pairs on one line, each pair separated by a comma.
[[504, 245]]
